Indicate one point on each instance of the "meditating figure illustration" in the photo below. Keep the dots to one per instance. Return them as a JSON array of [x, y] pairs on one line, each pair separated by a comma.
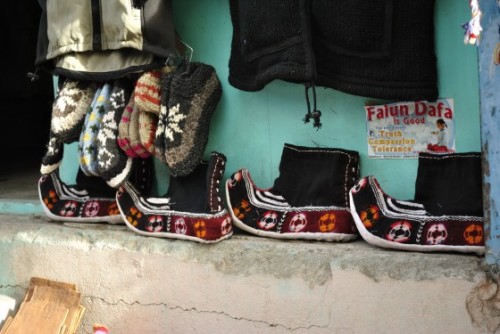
[[442, 138]]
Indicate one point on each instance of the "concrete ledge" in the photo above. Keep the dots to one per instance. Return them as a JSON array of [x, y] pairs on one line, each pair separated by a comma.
[[21, 207], [245, 284]]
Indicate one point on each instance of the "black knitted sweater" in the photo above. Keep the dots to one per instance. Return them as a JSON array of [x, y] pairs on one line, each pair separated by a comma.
[[377, 48]]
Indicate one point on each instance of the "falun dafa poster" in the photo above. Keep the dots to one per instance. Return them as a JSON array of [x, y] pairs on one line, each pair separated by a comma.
[[403, 129]]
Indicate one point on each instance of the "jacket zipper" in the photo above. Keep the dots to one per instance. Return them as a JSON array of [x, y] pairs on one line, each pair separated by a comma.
[[96, 25]]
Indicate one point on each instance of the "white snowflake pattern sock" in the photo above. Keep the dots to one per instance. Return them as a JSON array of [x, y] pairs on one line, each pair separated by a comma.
[[113, 165]]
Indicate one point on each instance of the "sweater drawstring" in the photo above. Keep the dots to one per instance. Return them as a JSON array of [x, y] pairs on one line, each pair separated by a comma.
[[315, 114]]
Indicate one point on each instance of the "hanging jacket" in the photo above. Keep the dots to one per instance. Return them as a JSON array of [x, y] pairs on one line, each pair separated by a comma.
[[104, 39], [373, 48]]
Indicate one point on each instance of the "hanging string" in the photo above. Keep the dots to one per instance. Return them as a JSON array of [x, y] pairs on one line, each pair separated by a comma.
[[315, 114]]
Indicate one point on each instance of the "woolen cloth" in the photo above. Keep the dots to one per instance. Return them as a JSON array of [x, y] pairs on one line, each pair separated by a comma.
[[380, 49]]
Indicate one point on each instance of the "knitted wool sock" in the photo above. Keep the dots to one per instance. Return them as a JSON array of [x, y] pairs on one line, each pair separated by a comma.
[[83, 166], [69, 109], [147, 130], [162, 118], [52, 158], [123, 139], [194, 94], [133, 132], [147, 92], [68, 115], [88, 138], [113, 165]]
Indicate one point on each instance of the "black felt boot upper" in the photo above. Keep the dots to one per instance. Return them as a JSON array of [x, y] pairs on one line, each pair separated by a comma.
[[450, 184], [198, 192], [316, 176]]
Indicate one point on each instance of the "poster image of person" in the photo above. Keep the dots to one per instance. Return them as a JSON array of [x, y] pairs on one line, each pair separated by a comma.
[[403, 129], [442, 136]]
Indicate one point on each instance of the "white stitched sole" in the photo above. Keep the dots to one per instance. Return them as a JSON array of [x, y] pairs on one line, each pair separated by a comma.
[[167, 235], [114, 219], [319, 236], [377, 241]]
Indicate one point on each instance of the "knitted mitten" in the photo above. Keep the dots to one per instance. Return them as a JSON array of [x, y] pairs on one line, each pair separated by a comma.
[[68, 115], [113, 165], [194, 94], [88, 137]]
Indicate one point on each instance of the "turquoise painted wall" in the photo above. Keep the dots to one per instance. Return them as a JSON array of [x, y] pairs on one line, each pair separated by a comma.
[[250, 128]]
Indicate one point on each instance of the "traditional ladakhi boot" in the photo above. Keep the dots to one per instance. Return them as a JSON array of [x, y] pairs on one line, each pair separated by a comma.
[[90, 199], [309, 199], [445, 216], [191, 210]]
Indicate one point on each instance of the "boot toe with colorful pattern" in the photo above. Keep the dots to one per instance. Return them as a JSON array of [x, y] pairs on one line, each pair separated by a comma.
[[70, 204], [260, 212], [386, 222], [153, 217], [175, 215]]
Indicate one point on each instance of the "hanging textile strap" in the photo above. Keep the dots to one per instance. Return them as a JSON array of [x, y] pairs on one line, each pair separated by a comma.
[[315, 114]]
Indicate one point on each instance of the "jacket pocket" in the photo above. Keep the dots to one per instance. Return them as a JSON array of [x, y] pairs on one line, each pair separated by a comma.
[[360, 28], [69, 26], [267, 26], [121, 25]]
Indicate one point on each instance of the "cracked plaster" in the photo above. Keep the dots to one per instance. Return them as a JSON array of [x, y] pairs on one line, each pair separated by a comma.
[[244, 284]]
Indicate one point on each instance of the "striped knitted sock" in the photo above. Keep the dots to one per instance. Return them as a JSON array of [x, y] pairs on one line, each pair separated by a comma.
[[133, 132], [88, 138], [147, 130], [123, 139], [113, 165], [147, 92]]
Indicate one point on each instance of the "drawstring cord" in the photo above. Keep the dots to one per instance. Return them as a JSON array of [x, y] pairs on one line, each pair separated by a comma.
[[315, 114], [33, 76]]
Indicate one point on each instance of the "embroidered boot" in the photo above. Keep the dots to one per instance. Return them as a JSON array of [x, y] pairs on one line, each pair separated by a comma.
[[90, 199], [191, 210], [309, 199], [440, 223]]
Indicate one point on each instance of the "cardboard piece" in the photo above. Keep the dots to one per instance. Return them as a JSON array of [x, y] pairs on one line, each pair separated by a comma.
[[48, 307]]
